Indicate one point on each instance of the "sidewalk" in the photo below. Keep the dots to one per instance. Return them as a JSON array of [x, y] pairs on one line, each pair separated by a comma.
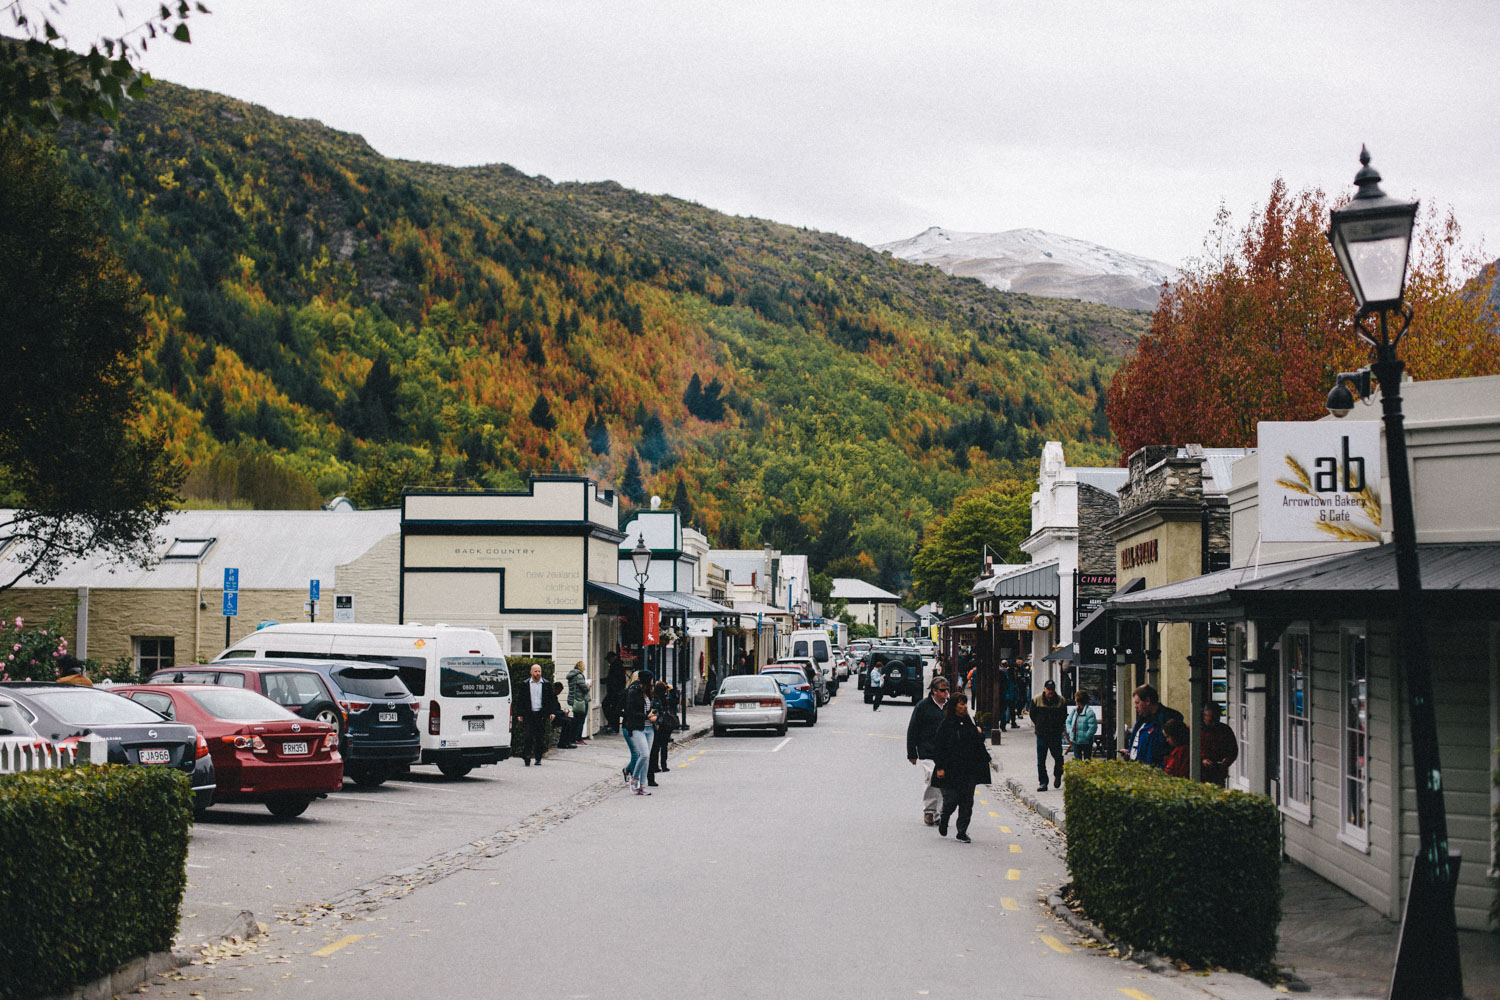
[[1337, 945]]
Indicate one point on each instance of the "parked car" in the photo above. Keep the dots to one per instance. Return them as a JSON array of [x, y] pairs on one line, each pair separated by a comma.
[[814, 673], [296, 689], [905, 676], [15, 731], [261, 752], [378, 734], [61, 713], [798, 691], [749, 701], [840, 664]]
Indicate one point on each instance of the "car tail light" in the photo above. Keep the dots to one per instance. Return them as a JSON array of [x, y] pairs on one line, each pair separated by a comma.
[[416, 706], [434, 719], [202, 750], [723, 703], [769, 703], [804, 687], [254, 743], [332, 742], [355, 706]]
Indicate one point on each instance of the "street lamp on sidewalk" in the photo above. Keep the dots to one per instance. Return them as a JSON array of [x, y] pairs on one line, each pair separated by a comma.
[[1371, 237], [640, 558]]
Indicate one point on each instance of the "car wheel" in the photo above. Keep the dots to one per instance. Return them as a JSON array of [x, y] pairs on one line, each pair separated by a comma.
[[327, 713], [812, 719], [719, 730], [869, 696], [367, 775], [201, 802], [781, 729], [288, 806], [455, 771]]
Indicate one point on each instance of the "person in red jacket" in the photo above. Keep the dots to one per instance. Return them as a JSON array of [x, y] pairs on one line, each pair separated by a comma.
[[1177, 743]]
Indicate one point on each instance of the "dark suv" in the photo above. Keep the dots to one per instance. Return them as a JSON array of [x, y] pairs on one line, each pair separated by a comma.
[[379, 735], [903, 672]]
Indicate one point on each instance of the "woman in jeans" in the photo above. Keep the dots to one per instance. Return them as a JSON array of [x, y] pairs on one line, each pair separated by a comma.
[[666, 722], [637, 726]]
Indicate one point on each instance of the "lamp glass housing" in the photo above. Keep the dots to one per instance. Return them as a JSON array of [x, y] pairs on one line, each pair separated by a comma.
[[640, 557], [1372, 243]]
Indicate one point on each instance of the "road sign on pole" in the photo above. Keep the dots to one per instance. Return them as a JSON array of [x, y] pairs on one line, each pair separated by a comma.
[[313, 586], [231, 578], [231, 603]]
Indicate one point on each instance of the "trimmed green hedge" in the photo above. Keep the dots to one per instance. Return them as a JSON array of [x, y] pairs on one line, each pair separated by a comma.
[[94, 862], [1178, 867]]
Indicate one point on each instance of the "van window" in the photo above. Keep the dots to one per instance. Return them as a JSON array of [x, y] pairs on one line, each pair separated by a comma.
[[238, 654], [799, 648], [473, 677], [820, 650]]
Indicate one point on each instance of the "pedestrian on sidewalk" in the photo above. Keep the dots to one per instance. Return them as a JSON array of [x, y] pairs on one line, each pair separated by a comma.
[[1147, 743], [578, 700], [536, 707], [875, 681], [614, 691], [564, 720], [665, 726], [1007, 713], [1048, 715], [921, 737], [962, 762], [636, 723], [1082, 725], [1176, 763], [1218, 746]]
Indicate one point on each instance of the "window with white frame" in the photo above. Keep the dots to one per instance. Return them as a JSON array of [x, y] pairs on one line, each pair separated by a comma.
[[1296, 726], [1354, 685], [154, 653], [535, 643]]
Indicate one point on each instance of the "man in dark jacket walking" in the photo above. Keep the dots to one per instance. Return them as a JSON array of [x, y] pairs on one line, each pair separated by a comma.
[[536, 705], [1049, 714], [921, 744]]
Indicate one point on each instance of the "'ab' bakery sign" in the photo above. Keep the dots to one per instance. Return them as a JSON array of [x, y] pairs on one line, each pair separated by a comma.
[[1319, 482]]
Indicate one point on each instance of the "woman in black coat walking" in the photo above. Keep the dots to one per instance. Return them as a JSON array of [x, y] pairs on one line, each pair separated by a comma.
[[962, 763]]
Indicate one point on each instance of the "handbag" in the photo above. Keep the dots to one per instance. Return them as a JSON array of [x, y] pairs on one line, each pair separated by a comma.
[[580, 706]]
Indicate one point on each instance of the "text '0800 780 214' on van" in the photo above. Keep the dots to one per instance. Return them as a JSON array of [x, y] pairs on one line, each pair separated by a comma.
[[458, 673]]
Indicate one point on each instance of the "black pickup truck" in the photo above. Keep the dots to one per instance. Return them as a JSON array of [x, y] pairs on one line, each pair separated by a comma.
[[904, 673]]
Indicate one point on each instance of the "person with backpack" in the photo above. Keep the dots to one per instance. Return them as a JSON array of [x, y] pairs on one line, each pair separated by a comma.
[[578, 700], [1081, 726]]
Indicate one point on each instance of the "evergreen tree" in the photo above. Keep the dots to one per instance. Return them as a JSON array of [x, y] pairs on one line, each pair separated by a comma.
[[693, 397], [633, 488], [541, 413], [682, 502], [599, 438], [712, 406]]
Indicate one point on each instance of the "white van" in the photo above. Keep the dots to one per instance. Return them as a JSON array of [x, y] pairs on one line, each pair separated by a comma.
[[459, 674], [813, 643]]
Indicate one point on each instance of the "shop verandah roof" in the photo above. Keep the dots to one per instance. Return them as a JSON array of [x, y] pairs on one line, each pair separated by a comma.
[[1459, 579]]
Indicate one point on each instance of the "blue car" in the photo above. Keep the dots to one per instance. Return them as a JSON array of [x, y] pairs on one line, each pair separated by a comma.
[[798, 690]]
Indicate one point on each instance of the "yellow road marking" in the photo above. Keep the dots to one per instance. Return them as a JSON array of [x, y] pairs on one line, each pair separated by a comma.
[[886, 736], [1005, 829], [342, 942], [1015, 848], [1135, 994], [984, 802], [994, 815], [1055, 944], [1014, 874], [1006, 903]]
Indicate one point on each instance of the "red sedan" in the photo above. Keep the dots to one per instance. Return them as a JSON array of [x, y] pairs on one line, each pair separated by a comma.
[[261, 751]]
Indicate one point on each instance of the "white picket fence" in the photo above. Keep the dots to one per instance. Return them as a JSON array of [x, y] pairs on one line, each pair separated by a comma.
[[42, 757]]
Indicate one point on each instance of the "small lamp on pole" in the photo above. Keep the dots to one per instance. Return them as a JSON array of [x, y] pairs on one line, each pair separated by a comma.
[[640, 558], [1371, 238]]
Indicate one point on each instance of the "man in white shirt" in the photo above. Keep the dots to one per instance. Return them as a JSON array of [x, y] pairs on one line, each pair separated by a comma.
[[535, 707]]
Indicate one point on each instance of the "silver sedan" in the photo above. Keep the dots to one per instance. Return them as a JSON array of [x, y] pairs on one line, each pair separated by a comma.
[[747, 701]]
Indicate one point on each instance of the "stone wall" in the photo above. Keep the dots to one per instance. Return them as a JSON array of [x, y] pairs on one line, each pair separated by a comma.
[[1096, 547], [1156, 473]]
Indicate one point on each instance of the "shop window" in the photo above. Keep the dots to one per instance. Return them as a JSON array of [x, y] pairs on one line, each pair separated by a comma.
[[534, 643], [1354, 685], [154, 653], [1238, 718], [1296, 726]]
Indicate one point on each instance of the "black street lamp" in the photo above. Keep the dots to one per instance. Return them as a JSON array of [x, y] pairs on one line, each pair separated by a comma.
[[640, 558], [1372, 239]]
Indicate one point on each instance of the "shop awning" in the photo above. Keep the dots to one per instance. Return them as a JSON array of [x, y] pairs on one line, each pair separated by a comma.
[[1091, 639], [1067, 653], [1459, 579], [671, 602], [1039, 580]]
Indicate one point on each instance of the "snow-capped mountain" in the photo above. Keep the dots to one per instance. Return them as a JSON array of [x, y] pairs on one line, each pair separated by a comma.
[[1040, 263]]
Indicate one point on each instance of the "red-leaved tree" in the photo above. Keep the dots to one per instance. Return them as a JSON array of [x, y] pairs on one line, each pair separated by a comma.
[[1257, 327]]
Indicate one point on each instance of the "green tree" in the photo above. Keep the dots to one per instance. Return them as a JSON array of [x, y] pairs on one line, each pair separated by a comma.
[[682, 502], [997, 515], [633, 488], [41, 81], [541, 413], [81, 479]]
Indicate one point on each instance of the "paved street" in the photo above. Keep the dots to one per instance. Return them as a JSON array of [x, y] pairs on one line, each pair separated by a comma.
[[763, 867]]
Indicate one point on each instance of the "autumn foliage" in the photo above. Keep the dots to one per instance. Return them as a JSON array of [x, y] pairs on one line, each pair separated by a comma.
[[1257, 328]]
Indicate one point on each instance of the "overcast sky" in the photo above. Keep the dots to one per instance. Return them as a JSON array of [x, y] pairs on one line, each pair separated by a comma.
[[1127, 124]]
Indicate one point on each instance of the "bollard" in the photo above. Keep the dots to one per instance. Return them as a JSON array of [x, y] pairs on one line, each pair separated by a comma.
[[92, 749]]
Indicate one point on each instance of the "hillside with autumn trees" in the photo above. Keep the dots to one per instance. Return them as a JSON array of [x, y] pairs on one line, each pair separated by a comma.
[[325, 320]]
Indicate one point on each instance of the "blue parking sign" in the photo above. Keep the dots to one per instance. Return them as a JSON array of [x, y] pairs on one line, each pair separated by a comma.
[[231, 603], [231, 578], [312, 590]]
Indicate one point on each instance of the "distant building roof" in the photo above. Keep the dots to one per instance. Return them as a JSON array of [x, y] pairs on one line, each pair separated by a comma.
[[1108, 480], [272, 549], [849, 589]]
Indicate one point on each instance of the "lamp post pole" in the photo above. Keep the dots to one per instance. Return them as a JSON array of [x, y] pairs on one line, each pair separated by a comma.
[[1367, 237], [640, 558]]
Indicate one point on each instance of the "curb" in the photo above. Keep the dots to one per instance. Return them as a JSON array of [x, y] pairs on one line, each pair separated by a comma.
[[141, 970], [1052, 814]]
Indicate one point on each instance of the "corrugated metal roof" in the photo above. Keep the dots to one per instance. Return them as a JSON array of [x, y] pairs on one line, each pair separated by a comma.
[[1021, 580], [1108, 480], [1457, 578], [273, 550]]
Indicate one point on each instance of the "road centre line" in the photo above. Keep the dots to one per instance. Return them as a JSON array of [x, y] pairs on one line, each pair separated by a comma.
[[1055, 944], [994, 815], [1135, 994], [886, 736], [1015, 848], [1007, 903], [1014, 875], [1005, 829], [342, 942]]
